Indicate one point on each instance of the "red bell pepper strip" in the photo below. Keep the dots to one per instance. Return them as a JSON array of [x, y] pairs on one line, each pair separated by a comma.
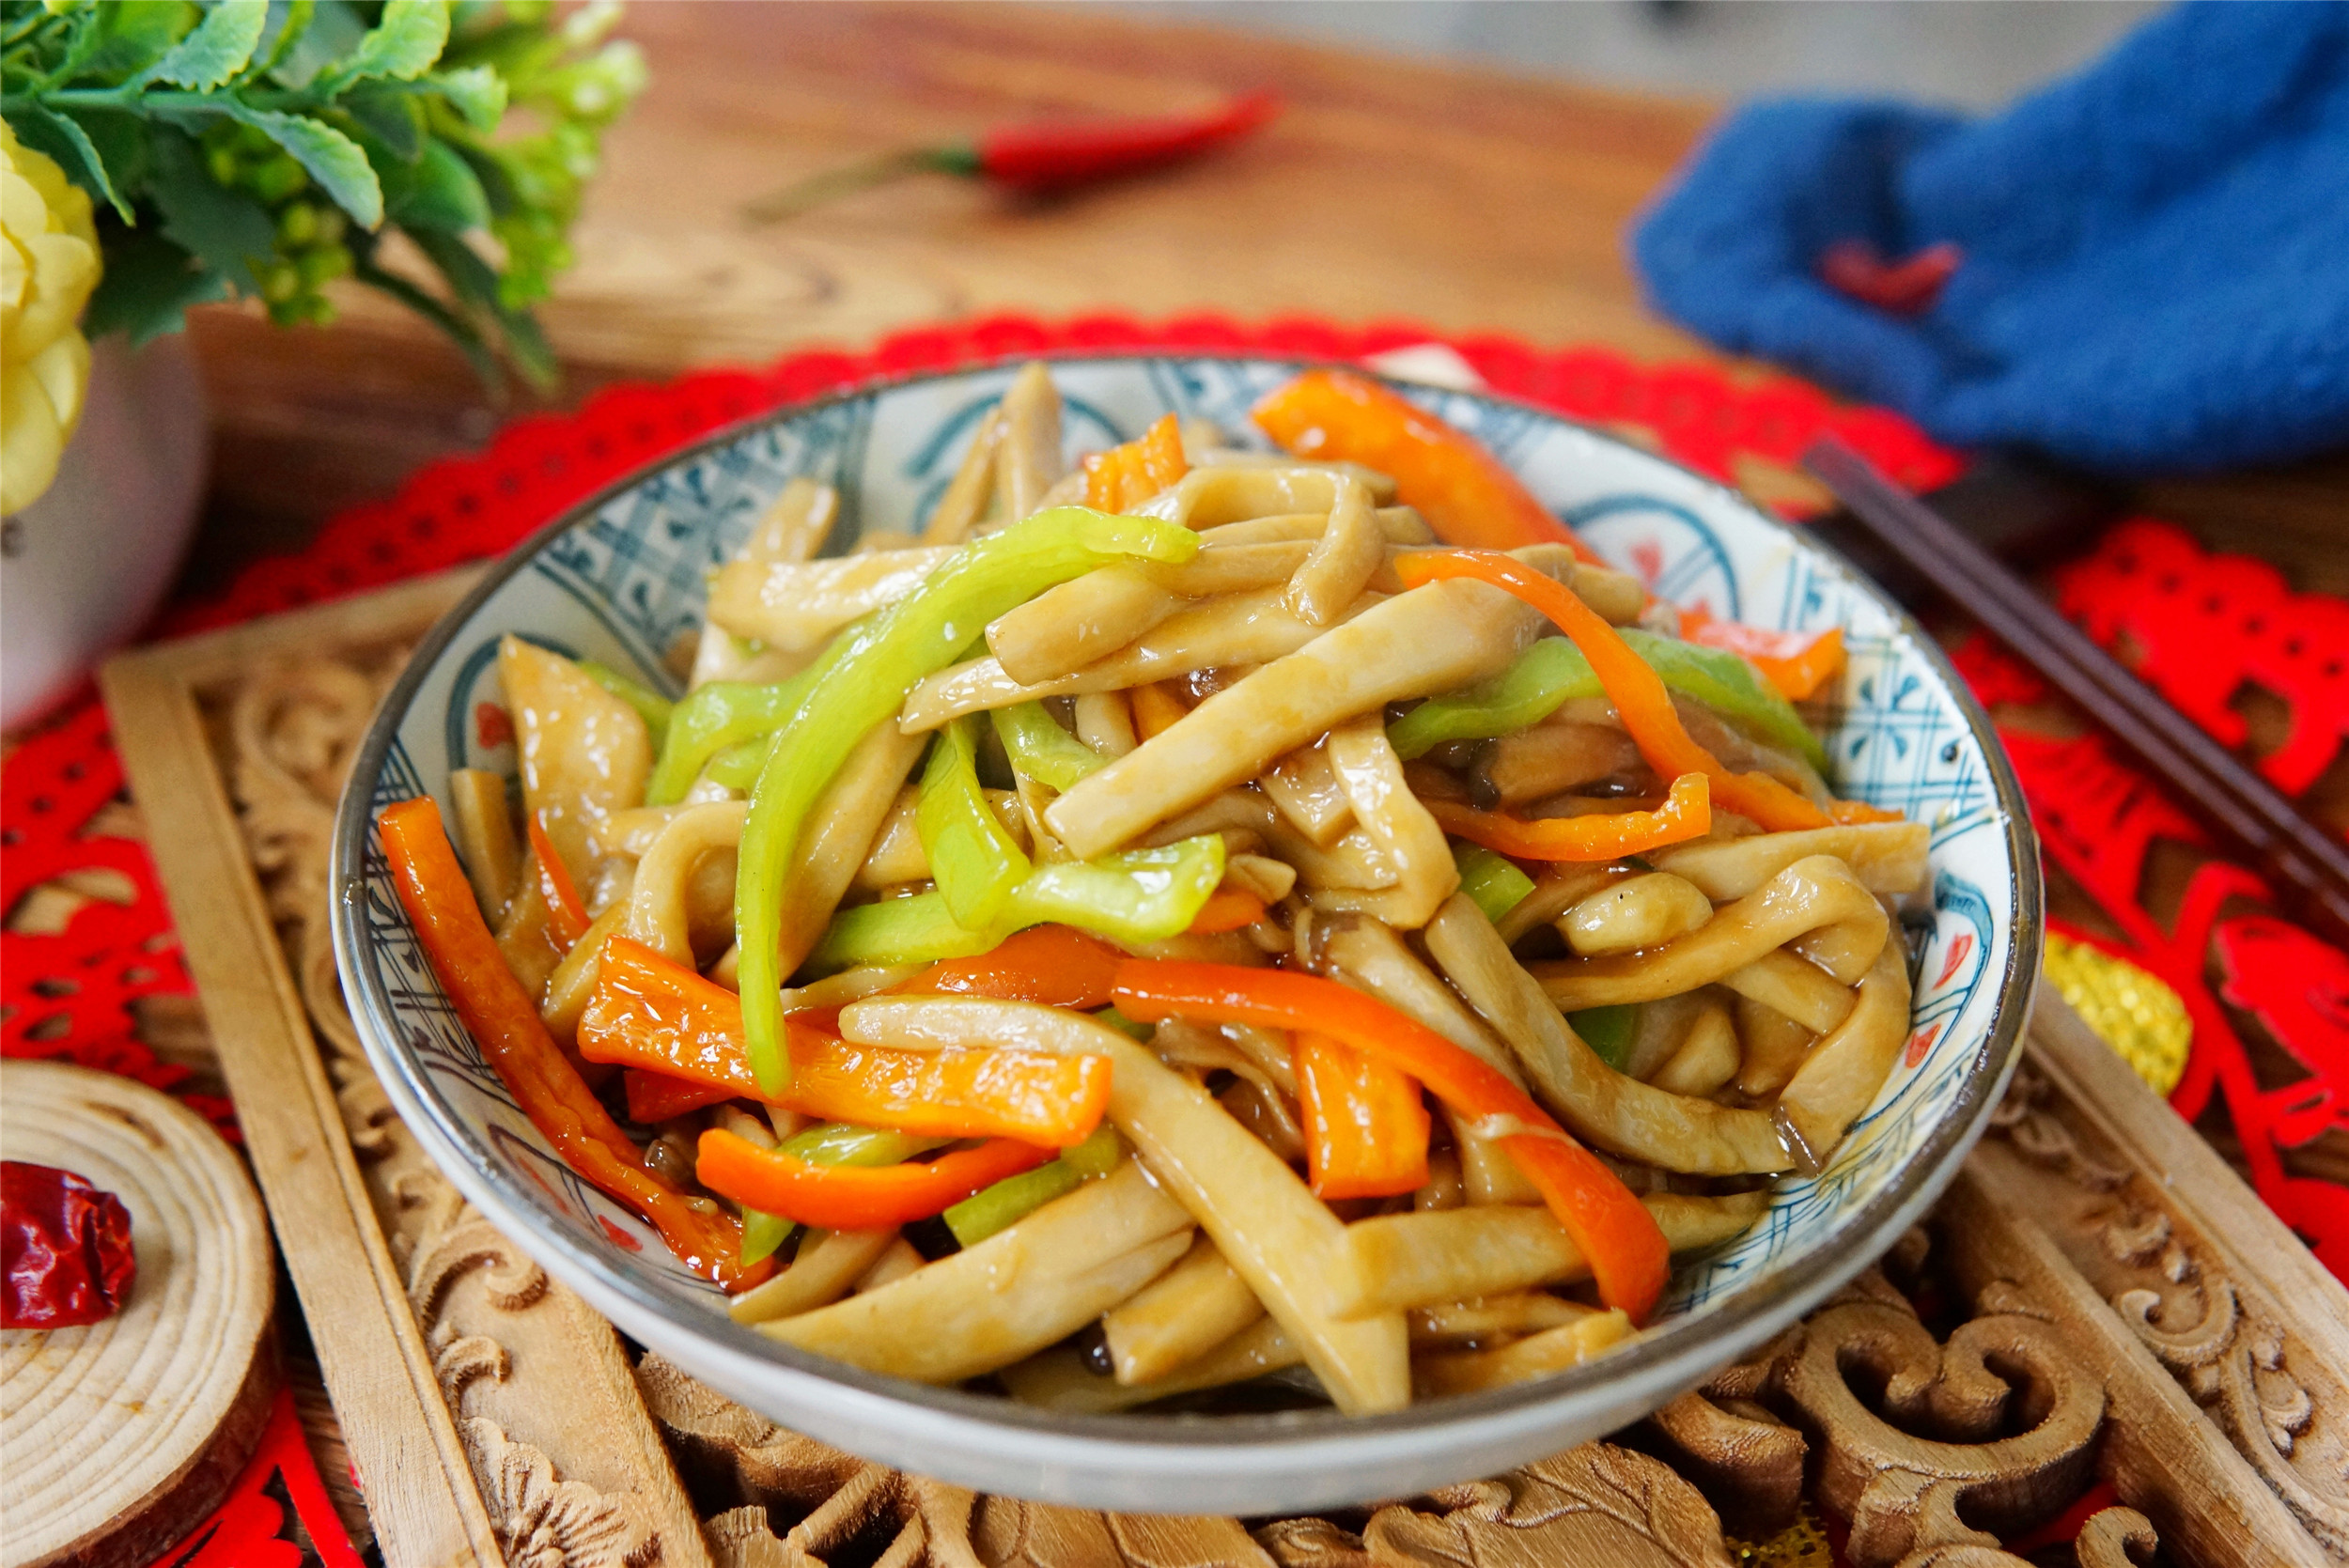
[[1365, 1124], [1639, 694], [1627, 1252], [567, 914], [854, 1198], [1227, 909], [1467, 496], [1686, 813], [651, 1012], [1125, 476], [1056, 965], [1796, 662], [655, 1098], [505, 1023], [1037, 157]]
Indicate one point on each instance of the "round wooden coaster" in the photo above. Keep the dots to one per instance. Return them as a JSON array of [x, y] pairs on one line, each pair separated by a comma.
[[119, 1436]]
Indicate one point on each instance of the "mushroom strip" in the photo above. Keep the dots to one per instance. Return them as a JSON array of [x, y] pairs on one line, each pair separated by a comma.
[[1234, 629], [1617, 1113], [1397, 1262], [1844, 1071], [1277, 1235], [1886, 856], [1430, 640], [660, 901], [798, 605], [1073, 1258], [1027, 451], [1064, 630], [1815, 906]]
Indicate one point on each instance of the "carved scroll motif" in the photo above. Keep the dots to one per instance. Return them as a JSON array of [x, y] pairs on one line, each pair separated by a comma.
[[2281, 1408], [501, 1348]]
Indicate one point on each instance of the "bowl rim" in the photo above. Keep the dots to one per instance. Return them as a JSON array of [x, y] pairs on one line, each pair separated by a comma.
[[1673, 1356]]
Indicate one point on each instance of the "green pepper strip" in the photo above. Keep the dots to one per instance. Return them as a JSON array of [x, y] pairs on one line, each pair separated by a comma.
[[1553, 671], [649, 705], [862, 681], [972, 857], [1608, 1031], [1491, 880], [830, 1144], [1043, 751], [1015, 1197], [725, 715], [1139, 895]]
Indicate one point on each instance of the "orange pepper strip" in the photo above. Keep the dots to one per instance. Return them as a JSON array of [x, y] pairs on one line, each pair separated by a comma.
[[1627, 1252], [1365, 1124], [654, 1097], [1467, 496], [1056, 965], [1796, 662], [1686, 813], [1127, 476], [567, 915], [499, 1014], [651, 1012], [1638, 691], [1156, 709], [1226, 909], [853, 1198]]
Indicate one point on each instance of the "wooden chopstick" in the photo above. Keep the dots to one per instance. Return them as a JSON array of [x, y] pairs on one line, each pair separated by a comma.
[[2306, 867]]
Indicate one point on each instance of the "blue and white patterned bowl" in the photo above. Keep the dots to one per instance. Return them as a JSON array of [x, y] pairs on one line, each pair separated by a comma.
[[621, 580]]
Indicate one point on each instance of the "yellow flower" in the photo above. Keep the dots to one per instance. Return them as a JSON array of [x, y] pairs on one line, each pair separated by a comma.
[[48, 266]]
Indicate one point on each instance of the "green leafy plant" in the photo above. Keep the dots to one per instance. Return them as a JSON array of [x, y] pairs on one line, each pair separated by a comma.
[[434, 151]]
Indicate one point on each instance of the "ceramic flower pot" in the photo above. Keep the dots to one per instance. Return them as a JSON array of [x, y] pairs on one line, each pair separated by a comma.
[[83, 566]]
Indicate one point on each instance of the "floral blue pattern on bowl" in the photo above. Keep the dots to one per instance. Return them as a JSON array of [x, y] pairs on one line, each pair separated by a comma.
[[622, 581]]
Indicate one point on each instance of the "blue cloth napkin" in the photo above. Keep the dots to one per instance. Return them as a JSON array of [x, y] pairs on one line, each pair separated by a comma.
[[2155, 252]]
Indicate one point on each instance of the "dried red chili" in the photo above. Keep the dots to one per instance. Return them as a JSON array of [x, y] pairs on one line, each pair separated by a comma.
[[1040, 155], [65, 1249]]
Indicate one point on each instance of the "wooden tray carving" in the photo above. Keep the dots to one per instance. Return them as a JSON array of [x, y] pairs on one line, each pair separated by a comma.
[[2114, 1305]]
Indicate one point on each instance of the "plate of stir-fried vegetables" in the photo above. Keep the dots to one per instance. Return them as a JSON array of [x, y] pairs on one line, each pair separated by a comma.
[[1195, 934]]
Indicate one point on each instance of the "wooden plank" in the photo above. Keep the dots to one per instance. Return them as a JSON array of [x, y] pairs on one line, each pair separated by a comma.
[[402, 1442]]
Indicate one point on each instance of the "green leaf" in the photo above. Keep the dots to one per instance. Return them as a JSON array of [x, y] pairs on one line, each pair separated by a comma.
[[476, 92], [222, 228], [288, 21], [216, 50], [332, 159], [335, 28], [62, 138], [476, 282], [392, 117], [466, 335], [402, 45], [436, 192], [128, 36], [148, 285]]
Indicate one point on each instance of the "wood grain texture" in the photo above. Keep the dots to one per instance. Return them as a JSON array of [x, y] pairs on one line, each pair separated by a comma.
[[403, 1443], [118, 1436]]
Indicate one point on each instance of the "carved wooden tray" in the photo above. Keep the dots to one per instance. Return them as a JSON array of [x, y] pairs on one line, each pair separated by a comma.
[[2098, 1313]]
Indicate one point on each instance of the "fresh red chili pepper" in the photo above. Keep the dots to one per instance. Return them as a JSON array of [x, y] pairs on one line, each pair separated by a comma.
[[65, 1249], [1910, 287], [1040, 155]]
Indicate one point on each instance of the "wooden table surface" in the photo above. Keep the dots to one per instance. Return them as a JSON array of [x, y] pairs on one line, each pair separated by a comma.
[[1465, 200]]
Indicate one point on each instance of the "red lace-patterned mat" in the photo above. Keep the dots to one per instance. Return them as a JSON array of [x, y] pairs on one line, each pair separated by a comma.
[[2198, 625]]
